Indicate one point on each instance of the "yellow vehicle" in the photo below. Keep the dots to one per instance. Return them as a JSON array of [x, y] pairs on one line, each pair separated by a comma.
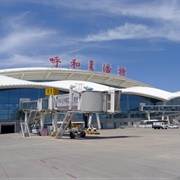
[[91, 130], [82, 132]]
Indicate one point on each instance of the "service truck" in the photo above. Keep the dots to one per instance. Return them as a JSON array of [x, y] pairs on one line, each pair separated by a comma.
[[160, 124]]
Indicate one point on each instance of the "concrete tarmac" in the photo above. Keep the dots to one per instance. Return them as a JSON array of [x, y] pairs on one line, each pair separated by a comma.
[[132, 153]]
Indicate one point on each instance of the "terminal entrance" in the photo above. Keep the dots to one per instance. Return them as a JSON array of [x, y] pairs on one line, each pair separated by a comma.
[[7, 128]]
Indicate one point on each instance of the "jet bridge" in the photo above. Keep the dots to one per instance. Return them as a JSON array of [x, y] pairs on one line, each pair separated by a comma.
[[91, 102], [160, 108], [166, 110]]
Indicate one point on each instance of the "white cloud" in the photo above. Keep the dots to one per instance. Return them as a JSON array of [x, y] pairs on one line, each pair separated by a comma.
[[159, 18], [127, 31], [137, 31], [23, 39], [20, 35], [40, 61], [157, 10], [24, 61], [154, 9]]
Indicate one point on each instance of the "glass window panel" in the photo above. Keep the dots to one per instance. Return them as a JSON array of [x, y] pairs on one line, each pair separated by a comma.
[[13, 106], [4, 111], [4, 100], [24, 95], [14, 100], [3, 117], [13, 95], [10, 101], [4, 95], [13, 111], [4, 106], [25, 90]]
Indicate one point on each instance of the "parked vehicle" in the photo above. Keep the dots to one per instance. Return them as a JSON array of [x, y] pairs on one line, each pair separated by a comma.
[[36, 129], [160, 124], [173, 126], [81, 132], [147, 123]]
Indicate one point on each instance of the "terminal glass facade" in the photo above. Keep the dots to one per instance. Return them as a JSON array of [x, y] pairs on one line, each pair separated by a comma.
[[175, 101], [9, 104], [130, 104]]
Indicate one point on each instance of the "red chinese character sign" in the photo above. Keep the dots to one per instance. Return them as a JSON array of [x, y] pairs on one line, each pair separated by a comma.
[[122, 71], [91, 65], [55, 60], [74, 64], [106, 68]]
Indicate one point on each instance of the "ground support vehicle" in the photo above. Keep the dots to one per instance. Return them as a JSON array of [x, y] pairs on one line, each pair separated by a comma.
[[160, 125], [173, 126], [147, 123], [81, 132], [36, 129]]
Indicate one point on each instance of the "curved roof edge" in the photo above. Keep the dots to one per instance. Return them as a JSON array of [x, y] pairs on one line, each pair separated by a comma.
[[57, 74], [151, 92], [8, 82]]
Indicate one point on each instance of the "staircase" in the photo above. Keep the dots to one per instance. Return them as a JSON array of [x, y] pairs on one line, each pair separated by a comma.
[[66, 121], [25, 129], [176, 120], [32, 117]]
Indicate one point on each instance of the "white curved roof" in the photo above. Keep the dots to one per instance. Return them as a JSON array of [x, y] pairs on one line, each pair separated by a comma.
[[8, 82], [66, 85], [58, 74], [151, 92]]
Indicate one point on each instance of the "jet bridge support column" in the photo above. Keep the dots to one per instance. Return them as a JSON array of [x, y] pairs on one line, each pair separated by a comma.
[[26, 118], [98, 121], [26, 121], [163, 113], [54, 122], [148, 115], [168, 120], [85, 118], [42, 121], [90, 119]]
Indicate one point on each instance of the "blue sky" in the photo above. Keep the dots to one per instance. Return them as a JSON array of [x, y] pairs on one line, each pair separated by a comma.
[[142, 35]]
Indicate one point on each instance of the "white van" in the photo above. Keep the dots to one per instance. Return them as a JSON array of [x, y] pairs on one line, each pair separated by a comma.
[[160, 124], [147, 123]]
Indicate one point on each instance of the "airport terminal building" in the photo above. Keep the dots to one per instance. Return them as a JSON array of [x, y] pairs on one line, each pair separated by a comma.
[[30, 83]]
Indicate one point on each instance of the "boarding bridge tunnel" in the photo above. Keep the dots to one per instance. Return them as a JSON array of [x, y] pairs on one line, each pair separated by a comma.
[[91, 102], [166, 110]]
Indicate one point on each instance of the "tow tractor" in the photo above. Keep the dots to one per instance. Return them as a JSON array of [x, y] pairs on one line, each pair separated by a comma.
[[82, 132]]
